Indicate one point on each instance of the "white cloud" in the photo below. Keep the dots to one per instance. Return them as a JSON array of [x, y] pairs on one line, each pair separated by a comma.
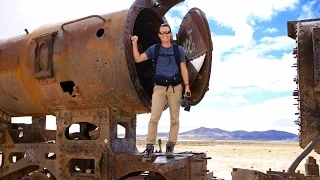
[[307, 10], [232, 100], [249, 69], [174, 24], [226, 43], [243, 18], [242, 23], [271, 30], [268, 44]]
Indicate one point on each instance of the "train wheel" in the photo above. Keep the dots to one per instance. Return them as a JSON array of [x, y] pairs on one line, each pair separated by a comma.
[[36, 176], [39, 176]]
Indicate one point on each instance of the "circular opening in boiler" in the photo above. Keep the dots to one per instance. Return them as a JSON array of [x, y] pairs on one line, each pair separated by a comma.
[[146, 27], [100, 32]]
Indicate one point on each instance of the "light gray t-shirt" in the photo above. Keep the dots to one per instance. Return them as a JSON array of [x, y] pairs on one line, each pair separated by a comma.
[[166, 65]]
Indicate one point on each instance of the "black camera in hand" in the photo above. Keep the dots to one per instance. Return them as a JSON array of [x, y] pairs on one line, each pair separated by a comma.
[[186, 102]]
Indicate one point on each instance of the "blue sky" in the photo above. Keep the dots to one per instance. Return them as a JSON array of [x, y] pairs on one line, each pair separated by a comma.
[[252, 79]]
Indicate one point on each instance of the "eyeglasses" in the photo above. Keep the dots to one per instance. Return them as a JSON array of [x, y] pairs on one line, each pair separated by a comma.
[[165, 32]]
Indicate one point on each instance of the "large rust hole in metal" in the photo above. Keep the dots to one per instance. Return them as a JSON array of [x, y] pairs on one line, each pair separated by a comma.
[[50, 156], [1, 159], [16, 156], [21, 132], [144, 175], [81, 166], [146, 27], [121, 131], [44, 174], [82, 131], [67, 86], [100, 32]]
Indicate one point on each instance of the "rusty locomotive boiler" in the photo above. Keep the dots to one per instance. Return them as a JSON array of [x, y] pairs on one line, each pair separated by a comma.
[[82, 71], [307, 55]]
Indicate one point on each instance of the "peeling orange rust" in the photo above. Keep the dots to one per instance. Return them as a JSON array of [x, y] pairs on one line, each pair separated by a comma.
[[82, 72]]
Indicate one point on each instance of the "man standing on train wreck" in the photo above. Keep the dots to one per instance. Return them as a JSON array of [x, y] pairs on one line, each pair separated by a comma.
[[170, 63]]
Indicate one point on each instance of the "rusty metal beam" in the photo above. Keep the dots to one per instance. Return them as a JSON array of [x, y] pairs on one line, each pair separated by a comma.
[[316, 54]]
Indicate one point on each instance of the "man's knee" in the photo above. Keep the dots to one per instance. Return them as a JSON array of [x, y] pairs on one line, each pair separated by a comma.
[[155, 122], [175, 122]]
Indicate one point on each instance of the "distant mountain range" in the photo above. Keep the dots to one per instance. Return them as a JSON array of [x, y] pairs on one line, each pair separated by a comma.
[[204, 133]]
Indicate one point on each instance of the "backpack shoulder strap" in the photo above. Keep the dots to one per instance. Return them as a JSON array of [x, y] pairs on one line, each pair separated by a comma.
[[176, 54], [175, 50], [156, 54]]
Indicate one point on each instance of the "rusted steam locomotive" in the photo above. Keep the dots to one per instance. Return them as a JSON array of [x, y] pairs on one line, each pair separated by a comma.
[[83, 72]]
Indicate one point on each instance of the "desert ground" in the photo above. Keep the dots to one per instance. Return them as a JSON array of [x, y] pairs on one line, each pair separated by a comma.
[[242, 154]]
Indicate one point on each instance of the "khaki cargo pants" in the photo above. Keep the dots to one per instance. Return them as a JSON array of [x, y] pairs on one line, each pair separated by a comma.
[[159, 98]]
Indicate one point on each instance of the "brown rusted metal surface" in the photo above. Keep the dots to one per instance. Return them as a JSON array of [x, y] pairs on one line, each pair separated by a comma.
[[246, 174], [85, 56], [82, 71], [183, 166], [43, 61], [41, 69], [311, 167], [195, 37], [307, 80], [316, 54], [79, 156]]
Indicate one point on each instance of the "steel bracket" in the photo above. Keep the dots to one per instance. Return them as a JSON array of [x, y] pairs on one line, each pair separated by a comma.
[[316, 54], [43, 62]]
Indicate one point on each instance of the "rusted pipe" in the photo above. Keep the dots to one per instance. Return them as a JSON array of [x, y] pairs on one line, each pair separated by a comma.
[[304, 153], [81, 19]]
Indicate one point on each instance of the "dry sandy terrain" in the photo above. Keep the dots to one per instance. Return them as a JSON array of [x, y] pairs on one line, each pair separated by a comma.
[[242, 154]]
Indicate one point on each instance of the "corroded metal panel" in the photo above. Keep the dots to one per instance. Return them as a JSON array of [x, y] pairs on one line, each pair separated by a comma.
[[82, 71], [44, 56], [195, 37], [88, 62], [244, 174], [307, 92], [316, 54]]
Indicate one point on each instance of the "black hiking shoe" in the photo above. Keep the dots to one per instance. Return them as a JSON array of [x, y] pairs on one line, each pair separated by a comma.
[[170, 150], [148, 153]]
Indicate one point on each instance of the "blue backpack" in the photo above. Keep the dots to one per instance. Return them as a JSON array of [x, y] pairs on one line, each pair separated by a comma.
[[162, 80]]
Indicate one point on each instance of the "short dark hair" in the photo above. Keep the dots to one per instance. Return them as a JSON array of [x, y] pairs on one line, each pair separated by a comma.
[[165, 25]]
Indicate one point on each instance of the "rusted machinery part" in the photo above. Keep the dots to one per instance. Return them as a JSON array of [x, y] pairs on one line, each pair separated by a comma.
[[88, 131], [304, 153], [144, 175], [82, 165], [244, 174], [41, 73], [39, 176], [307, 93], [36, 176], [78, 135]]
